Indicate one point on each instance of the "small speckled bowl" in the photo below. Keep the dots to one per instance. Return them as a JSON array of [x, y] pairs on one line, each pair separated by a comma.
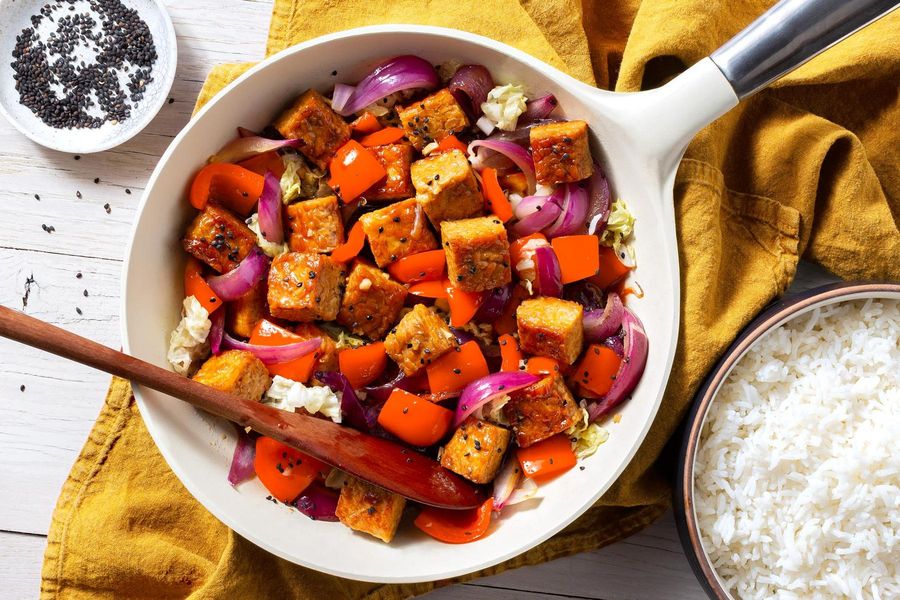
[[16, 16], [773, 317]]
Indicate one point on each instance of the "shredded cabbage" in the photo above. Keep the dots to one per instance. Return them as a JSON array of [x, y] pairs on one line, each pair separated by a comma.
[[287, 394], [342, 339], [619, 226], [592, 437], [188, 342], [299, 180], [268, 247], [504, 105]]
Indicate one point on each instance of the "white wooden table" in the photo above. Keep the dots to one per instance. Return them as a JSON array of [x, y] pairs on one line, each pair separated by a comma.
[[47, 405]]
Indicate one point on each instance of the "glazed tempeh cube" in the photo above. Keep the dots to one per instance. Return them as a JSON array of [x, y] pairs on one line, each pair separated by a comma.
[[219, 238], [446, 187], [304, 286], [477, 253], [372, 301], [561, 152], [311, 120], [237, 372]]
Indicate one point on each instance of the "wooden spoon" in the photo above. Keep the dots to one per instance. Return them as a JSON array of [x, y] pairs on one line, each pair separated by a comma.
[[377, 460]]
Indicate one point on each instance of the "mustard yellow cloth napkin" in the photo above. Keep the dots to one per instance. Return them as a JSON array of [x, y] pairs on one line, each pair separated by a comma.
[[809, 168]]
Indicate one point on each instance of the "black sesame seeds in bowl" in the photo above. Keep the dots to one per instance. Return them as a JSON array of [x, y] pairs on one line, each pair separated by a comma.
[[83, 76]]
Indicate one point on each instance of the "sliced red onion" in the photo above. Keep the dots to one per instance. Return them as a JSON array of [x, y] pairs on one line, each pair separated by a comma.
[[599, 202], [521, 135], [274, 354], [217, 330], [506, 481], [317, 502], [526, 490], [270, 223], [470, 86], [601, 324], [585, 293], [241, 468], [341, 95], [535, 213], [549, 277], [245, 147], [380, 393], [574, 208], [531, 204], [616, 344], [462, 336], [397, 74], [494, 303], [354, 413], [483, 390], [629, 374], [517, 154], [237, 282], [539, 108]]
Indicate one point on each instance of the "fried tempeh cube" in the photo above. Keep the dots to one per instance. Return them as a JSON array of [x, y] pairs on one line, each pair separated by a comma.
[[477, 253], [420, 338], [370, 509], [433, 118], [551, 327], [311, 120], [218, 238], [397, 230], [476, 450], [237, 372], [396, 160], [446, 187], [244, 313], [326, 355], [316, 225], [304, 286], [561, 152], [372, 301], [541, 410]]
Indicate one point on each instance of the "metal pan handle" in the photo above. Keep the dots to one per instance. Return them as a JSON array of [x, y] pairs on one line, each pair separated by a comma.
[[789, 34]]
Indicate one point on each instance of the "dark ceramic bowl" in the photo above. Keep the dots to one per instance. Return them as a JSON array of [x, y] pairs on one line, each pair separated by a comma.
[[776, 315]]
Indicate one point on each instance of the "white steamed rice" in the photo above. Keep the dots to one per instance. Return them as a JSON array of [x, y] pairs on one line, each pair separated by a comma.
[[797, 484]]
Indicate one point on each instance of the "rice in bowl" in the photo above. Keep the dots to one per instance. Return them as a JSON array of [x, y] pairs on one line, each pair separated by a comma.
[[797, 475]]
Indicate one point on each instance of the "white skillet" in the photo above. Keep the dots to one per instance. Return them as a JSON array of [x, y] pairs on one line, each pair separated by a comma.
[[639, 139]]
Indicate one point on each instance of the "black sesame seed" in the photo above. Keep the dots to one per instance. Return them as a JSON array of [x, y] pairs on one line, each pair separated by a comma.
[[78, 194], [107, 208], [22, 388], [127, 191], [96, 180], [78, 310], [78, 275], [85, 293], [36, 197]]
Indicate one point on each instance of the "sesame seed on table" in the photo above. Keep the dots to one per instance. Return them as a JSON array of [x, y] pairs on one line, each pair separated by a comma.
[[66, 221]]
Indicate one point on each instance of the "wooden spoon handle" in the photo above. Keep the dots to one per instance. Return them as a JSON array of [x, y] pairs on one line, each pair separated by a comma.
[[380, 461]]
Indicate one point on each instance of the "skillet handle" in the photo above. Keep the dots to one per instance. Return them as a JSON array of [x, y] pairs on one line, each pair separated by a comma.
[[789, 34]]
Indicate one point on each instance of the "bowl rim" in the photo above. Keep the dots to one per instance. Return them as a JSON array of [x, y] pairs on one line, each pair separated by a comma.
[[131, 128], [210, 503], [776, 315]]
